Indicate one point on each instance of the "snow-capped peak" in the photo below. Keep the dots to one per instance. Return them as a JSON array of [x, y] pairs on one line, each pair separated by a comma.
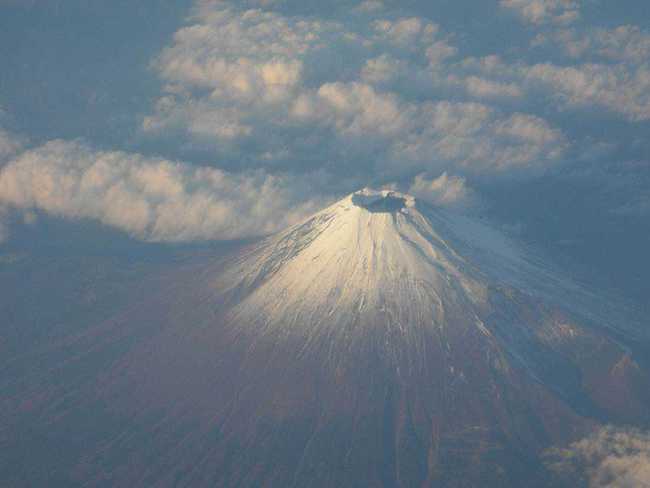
[[382, 262], [371, 258]]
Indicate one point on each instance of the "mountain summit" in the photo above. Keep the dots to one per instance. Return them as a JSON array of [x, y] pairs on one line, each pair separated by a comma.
[[372, 258], [381, 342], [382, 262]]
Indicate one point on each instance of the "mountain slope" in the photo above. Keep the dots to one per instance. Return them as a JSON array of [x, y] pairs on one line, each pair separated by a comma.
[[381, 342]]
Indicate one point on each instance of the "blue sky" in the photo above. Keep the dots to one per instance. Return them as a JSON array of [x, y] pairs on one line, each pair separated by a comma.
[[181, 121]]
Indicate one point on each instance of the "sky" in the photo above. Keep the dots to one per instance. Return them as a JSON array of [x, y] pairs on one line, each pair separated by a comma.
[[183, 122]]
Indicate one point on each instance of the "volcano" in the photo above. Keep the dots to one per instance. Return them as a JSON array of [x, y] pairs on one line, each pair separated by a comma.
[[381, 342]]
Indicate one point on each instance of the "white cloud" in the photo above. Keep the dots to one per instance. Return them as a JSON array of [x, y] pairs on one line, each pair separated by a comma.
[[609, 458], [478, 138], [438, 52], [528, 128], [484, 88], [378, 94], [274, 89], [616, 88], [234, 74], [243, 55], [152, 199], [410, 32], [444, 191], [613, 69], [359, 109], [434, 135], [625, 43], [621, 88], [10, 145], [199, 119], [544, 11], [382, 69]]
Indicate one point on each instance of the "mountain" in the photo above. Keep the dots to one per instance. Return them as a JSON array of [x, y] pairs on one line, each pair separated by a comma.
[[381, 342]]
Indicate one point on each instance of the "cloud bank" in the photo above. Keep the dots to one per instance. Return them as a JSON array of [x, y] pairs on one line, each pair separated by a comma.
[[151, 199], [159, 200], [287, 99], [273, 90]]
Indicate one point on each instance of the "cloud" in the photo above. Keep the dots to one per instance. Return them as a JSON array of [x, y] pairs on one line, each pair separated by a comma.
[[443, 191], [616, 88], [10, 145], [358, 109], [621, 88], [409, 32], [483, 88], [609, 458], [151, 199], [479, 138], [625, 43], [202, 121], [271, 90], [602, 67], [544, 11], [382, 69], [370, 6], [240, 55], [434, 135]]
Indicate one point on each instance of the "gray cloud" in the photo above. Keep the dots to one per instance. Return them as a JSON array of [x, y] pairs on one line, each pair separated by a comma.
[[152, 199], [609, 458]]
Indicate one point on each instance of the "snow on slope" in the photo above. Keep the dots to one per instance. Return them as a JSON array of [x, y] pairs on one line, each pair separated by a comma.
[[349, 258], [383, 263]]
